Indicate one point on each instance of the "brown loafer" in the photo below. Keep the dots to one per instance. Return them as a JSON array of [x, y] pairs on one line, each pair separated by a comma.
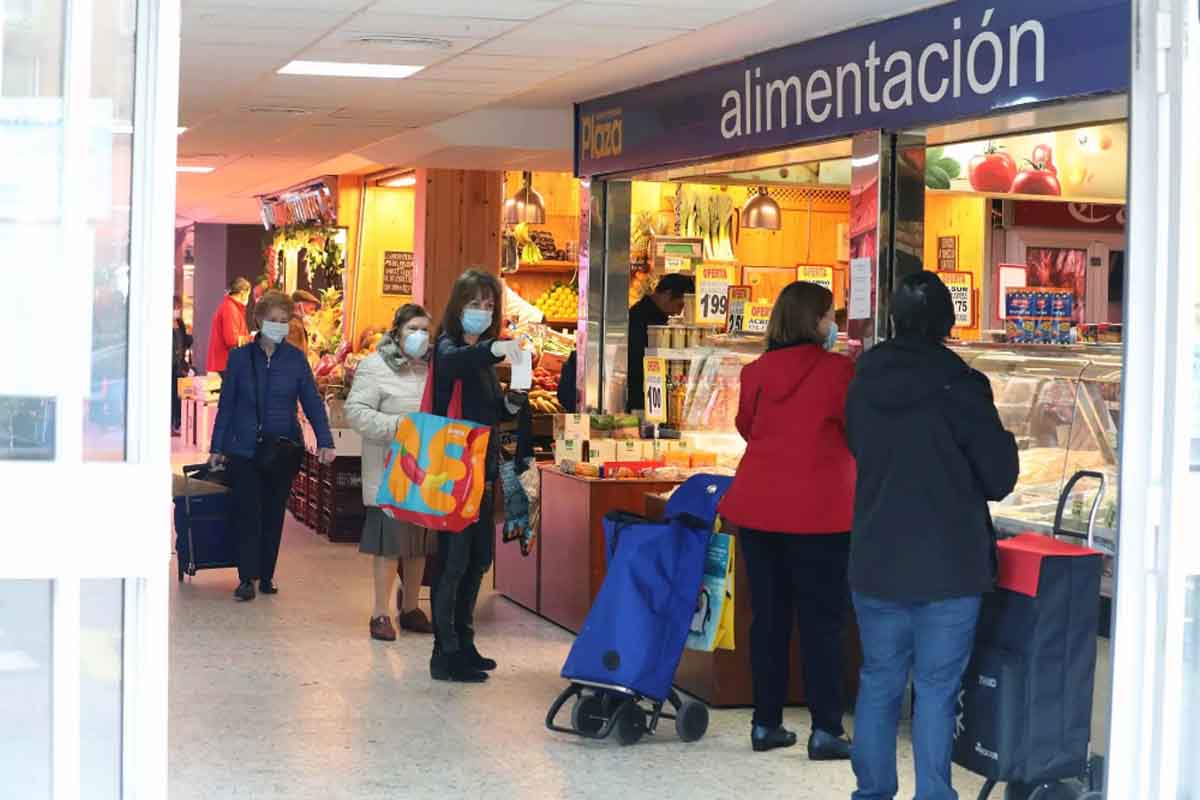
[[415, 621], [381, 629]]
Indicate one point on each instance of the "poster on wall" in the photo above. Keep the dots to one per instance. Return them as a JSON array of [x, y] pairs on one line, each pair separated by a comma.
[[821, 276], [860, 288], [962, 294], [398, 272], [947, 253]]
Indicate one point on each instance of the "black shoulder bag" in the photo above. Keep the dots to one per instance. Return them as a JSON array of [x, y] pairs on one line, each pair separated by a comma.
[[278, 456]]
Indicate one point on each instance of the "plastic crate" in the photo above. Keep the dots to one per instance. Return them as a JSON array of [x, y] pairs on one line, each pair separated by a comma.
[[341, 502], [344, 473], [341, 528]]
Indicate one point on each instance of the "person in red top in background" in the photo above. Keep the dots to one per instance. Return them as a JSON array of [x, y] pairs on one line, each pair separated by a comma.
[[793, 503], [228, 326]]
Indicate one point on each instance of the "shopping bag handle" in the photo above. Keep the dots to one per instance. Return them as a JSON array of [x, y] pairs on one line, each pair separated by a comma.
[[454, 410]]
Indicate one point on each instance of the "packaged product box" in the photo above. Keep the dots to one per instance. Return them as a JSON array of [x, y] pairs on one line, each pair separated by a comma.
[[573, 450], [602, 452], [658, 448], [633, 450], [702, 459], [678, 458], [572, 426]]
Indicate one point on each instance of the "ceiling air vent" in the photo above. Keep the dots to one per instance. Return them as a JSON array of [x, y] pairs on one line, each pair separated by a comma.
[[294, 111], [402, 41]]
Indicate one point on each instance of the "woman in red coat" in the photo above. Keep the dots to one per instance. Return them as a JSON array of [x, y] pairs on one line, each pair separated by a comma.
[[793, 501]]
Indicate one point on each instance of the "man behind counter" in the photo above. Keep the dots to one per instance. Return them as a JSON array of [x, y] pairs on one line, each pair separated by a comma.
[[654, 309]]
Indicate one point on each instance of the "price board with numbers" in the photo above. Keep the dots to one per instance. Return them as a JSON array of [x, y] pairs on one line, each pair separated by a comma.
[[739, 298], [962, 294], [758, 316], [712, 294], [821, 276], [655, 371]]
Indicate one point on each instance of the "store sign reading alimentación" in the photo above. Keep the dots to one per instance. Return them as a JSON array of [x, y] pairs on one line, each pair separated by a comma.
[[955, 61]]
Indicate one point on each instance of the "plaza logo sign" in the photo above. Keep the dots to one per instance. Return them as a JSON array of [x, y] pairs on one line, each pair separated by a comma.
[[978, 65], [601, 135]]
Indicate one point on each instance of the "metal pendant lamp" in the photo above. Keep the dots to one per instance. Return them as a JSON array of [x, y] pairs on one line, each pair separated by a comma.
[[762, 212], [526, 205]]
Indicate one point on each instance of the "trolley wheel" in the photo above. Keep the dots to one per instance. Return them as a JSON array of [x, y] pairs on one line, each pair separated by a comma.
[[1053, 791], [631, 723], [691, 721], [587, 715]]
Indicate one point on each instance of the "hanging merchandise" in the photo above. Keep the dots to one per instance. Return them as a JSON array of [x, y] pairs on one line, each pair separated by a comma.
[[707, 214]]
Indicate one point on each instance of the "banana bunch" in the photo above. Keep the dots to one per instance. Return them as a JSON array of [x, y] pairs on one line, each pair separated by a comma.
[[545, 402], [530, 252]]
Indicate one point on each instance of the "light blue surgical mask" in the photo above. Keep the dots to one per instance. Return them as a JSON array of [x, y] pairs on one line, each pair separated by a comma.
[[476, 320], [416, 344], [831, 336]]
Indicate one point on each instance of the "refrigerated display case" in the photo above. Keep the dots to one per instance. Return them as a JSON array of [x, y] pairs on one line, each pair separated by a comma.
[[1063, 406]]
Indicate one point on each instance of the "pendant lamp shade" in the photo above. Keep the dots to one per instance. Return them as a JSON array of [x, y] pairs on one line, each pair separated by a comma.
[[762, 212], [526, 205]]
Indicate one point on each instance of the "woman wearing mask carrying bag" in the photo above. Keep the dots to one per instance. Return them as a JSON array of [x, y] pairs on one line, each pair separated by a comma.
[[257, 437], [389, 384], [467, 351], [793, 501]]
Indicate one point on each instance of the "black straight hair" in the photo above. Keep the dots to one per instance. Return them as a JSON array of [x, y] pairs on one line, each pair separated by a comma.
[[471, 284], [676, 285], [922, 308]]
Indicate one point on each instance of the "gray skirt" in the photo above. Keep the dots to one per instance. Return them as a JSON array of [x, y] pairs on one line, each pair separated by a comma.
[[391, 538]]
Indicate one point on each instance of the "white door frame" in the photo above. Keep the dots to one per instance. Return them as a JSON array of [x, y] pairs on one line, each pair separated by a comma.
[[1158, 493], [1098, 244], [70, 520]]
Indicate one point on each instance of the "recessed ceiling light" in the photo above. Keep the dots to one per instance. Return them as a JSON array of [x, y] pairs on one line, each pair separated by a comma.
[[193, 170], [401, 182], [349, 69]]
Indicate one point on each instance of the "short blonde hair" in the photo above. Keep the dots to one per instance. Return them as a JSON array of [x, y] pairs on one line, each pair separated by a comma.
[[270, 301]]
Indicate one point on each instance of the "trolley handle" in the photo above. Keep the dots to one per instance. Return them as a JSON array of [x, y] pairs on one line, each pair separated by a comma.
[[1066, 495]]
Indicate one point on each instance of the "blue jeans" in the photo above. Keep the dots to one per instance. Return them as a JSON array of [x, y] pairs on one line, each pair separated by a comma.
[[934, 641]]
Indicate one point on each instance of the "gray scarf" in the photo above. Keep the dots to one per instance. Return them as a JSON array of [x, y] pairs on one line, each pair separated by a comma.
[[392, 353]]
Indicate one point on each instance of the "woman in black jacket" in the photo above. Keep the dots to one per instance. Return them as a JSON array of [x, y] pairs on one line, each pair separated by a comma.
[[931, 453], [468, 349]]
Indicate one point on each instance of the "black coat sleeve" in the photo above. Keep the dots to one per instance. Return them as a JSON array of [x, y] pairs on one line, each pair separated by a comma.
[[566, 384], [990, 449]]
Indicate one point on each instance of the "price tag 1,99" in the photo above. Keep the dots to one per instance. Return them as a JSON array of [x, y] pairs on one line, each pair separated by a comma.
[[712, 294], [655, 371], [758, 316]]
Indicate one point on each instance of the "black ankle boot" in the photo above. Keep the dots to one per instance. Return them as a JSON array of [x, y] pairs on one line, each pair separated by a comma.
[[244, 591], [478, 661], [456, 668], [824, 746]]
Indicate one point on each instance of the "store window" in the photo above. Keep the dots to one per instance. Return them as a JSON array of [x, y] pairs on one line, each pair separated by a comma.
[[25, 685]]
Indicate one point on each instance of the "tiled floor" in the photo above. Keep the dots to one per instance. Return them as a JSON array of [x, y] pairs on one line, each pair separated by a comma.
[[287, 697]]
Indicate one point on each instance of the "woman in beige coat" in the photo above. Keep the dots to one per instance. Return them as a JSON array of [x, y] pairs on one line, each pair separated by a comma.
[[388, 385]]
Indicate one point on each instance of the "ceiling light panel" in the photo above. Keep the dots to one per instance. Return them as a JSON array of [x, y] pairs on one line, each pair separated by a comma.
[[348, 69]]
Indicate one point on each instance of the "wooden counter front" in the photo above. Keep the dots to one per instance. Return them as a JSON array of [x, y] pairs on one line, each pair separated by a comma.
[[573, 559], [723, 679]]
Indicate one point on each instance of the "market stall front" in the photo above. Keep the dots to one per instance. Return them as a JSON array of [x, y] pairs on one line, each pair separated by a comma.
[[812, 163]]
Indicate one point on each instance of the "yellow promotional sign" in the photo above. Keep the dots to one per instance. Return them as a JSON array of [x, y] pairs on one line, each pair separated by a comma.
[[821, 276], [962, 293], [758, 316], [655, 371], [739, 298], [712, 294]]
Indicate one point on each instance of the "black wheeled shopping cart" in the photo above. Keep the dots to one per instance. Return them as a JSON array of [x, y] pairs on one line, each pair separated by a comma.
[[1025, 710], [204, 537]]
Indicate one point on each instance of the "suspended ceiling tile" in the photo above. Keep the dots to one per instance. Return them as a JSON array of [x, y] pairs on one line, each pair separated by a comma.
[[528, 62], [282, 8], [576, 41], [639, 14], [730, 5], [508, 9], [374, 22]]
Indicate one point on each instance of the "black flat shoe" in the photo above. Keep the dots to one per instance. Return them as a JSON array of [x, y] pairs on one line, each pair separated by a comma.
[[824, 746], [244, 592], [268, 587], [482, 663], [764, 740], [455, 668]]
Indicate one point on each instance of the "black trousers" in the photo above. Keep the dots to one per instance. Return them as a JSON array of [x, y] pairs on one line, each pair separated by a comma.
[[797, 579], [463, 559], [259, 505]]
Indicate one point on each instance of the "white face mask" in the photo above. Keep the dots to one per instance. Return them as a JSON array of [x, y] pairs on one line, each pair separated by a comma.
[[416, 344], [275, 331]]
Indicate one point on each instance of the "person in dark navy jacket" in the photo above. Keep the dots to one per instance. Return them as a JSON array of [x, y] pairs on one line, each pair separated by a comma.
[[280, 376]]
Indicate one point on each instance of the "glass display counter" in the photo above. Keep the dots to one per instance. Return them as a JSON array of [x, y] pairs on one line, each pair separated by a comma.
[[1063, 406]]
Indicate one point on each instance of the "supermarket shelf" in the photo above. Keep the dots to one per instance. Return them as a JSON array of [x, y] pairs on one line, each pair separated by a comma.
[[566, 323], [546, 266]]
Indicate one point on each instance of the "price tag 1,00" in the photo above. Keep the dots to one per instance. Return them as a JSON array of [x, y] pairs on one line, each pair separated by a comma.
[[712, 294], [655, 371]]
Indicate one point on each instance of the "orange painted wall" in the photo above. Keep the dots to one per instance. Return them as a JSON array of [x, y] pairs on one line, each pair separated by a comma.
[[966, 218], [388, 225]]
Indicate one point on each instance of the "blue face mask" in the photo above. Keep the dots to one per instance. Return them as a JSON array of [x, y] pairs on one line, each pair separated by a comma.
[[476, 320], [831, 336]]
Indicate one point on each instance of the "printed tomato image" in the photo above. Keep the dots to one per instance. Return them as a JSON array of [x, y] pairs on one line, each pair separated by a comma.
[[993, 171], [1041, 177]]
